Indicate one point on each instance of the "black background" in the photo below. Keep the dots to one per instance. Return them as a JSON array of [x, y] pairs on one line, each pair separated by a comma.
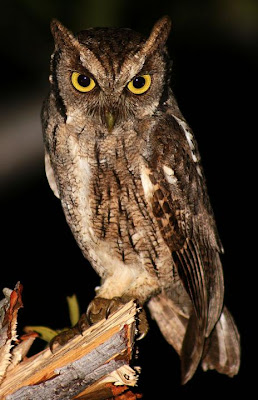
[[213, 45]]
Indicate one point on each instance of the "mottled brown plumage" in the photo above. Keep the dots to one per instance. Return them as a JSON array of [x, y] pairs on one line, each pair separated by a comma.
[[127, 170]]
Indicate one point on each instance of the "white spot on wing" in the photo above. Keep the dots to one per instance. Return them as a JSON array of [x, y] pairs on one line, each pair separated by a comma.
[[169, 175], [69, 119], [146, 183], [199, 170], [190, 140]]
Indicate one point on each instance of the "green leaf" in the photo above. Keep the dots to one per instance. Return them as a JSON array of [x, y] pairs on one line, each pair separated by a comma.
[[74, 310], [45, 333]]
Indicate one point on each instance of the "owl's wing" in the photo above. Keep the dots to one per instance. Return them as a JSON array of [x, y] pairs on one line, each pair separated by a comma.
[[175, 188]]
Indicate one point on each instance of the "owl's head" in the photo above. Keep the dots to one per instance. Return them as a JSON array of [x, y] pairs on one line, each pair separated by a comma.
[[110, 75]]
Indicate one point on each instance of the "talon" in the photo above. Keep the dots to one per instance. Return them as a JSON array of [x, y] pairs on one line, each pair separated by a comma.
[[100, 308], [83, 323], [51, 345], [88, 312], [63, 337], [108, 311], [114, 304], [142, 325]]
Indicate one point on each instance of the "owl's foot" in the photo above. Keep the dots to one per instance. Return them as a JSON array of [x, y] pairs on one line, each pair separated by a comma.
[[63, 337], [100, 308]]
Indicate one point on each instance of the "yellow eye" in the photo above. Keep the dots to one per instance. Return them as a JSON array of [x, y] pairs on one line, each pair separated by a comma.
[[81, 82], [139, 84]]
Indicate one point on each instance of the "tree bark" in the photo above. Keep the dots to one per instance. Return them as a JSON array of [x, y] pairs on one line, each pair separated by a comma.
[[95, 365]]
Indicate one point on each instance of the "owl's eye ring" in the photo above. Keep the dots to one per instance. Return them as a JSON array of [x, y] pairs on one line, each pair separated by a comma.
[[82, 83], [139, 84]]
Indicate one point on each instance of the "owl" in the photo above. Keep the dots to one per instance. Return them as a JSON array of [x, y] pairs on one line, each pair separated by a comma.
[[125, 165]]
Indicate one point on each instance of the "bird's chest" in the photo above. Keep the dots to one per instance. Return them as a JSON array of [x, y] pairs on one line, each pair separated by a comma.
[[109, 215], [120, 216]]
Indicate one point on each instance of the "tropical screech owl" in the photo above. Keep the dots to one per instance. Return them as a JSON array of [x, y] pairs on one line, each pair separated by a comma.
[[126, 167]]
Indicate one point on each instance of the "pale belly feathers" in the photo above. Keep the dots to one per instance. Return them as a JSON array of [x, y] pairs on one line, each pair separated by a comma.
[[109, 215]]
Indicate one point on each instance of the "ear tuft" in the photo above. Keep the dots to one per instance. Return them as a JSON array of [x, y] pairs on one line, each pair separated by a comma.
[[61, 34], [158, 35]]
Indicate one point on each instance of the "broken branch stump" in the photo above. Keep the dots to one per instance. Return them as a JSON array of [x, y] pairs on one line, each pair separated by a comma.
[[93, 366]]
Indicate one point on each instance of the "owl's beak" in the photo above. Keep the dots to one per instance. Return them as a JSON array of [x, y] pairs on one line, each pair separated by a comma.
[[110, 118]]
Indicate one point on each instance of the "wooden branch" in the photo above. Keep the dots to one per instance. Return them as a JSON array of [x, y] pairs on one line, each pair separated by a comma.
[[93, 366]]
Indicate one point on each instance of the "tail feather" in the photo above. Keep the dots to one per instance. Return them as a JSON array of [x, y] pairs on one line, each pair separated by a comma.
[[171, 324], [222, 348], [192, 348], [220, 351], [179, 331]]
